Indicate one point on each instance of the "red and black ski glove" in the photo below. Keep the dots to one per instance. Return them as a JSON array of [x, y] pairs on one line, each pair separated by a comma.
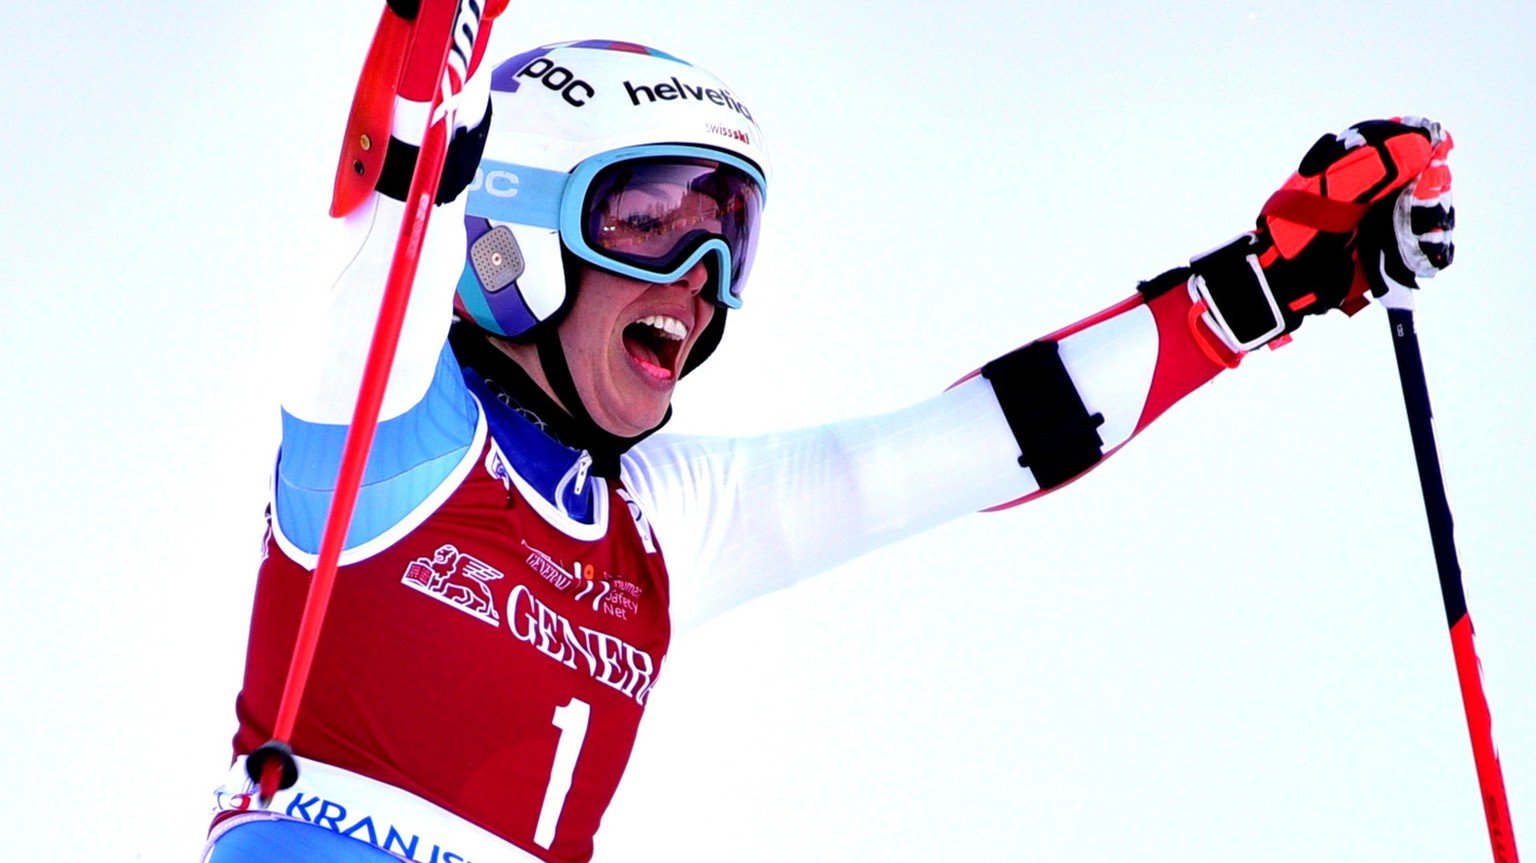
[[1367, 207]]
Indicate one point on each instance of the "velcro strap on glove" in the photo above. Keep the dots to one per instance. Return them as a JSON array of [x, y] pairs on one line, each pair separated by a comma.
[[1241, 307], [1055, 432], [459, 165]]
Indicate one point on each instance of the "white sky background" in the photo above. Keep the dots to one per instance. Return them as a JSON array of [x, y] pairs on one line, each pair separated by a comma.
[[1228, 643]]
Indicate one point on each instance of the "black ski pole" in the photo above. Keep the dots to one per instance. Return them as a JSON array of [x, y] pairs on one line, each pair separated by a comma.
[[1410, 370]]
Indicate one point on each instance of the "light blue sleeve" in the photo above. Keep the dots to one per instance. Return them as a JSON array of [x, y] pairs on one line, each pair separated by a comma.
[[412, 455]]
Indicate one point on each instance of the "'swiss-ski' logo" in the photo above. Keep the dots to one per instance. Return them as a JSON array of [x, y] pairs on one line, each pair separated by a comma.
[[457, 579], [727, 131]]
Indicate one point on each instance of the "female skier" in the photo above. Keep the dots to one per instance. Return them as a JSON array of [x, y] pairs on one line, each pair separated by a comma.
[[524, 547]]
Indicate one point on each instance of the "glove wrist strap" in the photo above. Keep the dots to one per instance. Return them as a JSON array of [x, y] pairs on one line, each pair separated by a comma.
[[1241, 308], [458, 166]]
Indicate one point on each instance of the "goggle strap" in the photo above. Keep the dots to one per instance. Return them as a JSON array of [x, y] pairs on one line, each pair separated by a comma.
[[519, 194]]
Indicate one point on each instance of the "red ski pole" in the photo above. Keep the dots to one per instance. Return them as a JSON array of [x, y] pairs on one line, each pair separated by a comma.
[[1485, 756], [448, 29]]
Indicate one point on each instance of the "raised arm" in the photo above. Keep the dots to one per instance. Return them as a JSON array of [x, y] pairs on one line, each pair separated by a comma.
[[739, 517], [427, 421]]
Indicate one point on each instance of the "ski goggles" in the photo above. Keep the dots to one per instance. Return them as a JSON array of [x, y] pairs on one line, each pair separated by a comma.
[[650, 213]]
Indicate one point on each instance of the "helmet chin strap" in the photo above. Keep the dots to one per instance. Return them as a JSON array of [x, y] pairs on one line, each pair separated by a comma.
[[573, 426], [706, 343], [577, 427], [605, 446]]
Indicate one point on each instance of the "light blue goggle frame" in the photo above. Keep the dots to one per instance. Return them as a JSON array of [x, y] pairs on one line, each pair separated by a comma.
[[542, 198]]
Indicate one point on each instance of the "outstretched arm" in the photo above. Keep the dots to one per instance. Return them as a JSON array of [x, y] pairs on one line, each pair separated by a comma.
[[740, 517]]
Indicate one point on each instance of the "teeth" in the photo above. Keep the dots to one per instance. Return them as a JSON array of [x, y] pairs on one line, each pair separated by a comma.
[[666, 326]]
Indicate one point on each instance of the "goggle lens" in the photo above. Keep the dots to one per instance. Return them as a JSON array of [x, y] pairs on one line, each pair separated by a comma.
[[656, 215]]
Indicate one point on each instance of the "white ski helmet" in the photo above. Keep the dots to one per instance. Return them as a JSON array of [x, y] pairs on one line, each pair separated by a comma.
[[573, 122]]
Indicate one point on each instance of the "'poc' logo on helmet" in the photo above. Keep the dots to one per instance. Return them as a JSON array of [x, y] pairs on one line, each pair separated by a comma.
[[559, 79]]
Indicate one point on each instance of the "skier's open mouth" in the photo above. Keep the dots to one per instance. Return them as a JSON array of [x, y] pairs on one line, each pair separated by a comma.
[[654, 343]]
